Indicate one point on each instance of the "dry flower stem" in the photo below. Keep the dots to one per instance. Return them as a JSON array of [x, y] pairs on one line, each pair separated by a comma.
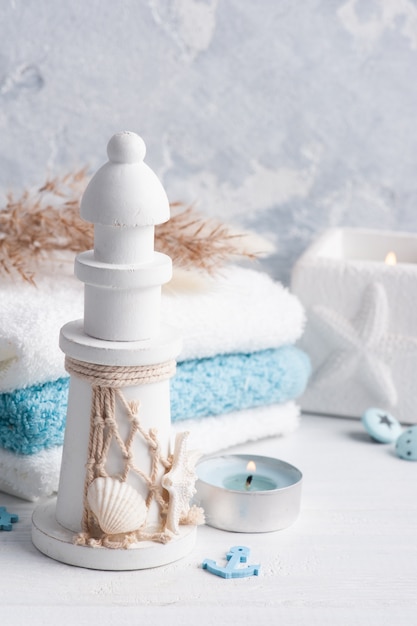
[[42, 222]]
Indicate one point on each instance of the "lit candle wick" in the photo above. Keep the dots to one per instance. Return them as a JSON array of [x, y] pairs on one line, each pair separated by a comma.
[[391, 258], [248, 482]]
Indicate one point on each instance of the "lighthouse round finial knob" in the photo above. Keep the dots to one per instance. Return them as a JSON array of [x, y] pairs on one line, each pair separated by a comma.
[[125, 191], [126, 147]]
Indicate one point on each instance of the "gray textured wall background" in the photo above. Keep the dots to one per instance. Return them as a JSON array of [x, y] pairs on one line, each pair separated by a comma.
[[285, 116]]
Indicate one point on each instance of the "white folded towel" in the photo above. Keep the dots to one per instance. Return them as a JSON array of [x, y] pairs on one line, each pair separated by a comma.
[[216, 433], [30, 476], [241, 310], [37, 475]]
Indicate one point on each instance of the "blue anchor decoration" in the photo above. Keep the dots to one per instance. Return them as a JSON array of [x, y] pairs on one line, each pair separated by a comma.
[[7, 519], [235, 556]]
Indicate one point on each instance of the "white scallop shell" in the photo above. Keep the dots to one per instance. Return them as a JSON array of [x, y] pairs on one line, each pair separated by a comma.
[[117, 506]]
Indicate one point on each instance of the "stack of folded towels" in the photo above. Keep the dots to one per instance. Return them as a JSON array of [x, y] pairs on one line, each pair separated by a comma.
[[237, 376]]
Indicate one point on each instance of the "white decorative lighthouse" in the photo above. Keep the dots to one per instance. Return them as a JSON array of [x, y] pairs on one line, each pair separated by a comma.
[[123, 499]]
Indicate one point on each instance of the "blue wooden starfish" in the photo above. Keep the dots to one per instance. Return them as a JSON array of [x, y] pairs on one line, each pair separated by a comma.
[[235, 556], [7, 519]]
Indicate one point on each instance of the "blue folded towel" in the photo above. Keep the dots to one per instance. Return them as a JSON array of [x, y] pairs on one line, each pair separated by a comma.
[[33, 419], [232, 382]]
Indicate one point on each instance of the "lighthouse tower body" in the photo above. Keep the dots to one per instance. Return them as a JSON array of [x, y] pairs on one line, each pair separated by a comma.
[[120, 355]]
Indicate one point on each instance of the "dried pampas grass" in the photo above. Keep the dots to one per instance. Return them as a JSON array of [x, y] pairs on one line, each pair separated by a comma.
[[37, 225], [196, 243]]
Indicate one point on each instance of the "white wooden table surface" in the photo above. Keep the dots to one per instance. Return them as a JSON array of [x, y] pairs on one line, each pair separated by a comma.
[[351, 558]]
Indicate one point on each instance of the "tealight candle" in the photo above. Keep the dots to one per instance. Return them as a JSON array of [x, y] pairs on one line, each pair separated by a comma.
[[244, 493]]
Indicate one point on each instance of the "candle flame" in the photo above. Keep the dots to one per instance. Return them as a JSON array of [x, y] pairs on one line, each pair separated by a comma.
[[251, 466], [391, 258]]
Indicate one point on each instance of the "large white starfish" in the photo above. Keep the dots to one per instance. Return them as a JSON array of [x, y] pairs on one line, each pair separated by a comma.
[[362, 347]]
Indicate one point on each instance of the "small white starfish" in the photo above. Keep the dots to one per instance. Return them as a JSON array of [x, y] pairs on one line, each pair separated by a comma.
[[363, 347], [180, 482]]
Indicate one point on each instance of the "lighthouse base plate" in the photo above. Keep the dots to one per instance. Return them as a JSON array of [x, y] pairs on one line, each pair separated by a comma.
[[56, 542]]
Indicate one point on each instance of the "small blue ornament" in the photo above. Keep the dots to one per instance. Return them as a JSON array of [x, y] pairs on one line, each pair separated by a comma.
[[406, 446], [235, 556], [381, 426], [7, 519]]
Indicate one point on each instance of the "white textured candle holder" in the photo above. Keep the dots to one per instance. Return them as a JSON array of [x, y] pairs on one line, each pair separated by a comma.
[[124, 496], [361, 333]]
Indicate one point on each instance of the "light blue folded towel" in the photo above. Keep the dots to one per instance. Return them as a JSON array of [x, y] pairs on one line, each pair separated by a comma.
[[232, 382], [33, 419]]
